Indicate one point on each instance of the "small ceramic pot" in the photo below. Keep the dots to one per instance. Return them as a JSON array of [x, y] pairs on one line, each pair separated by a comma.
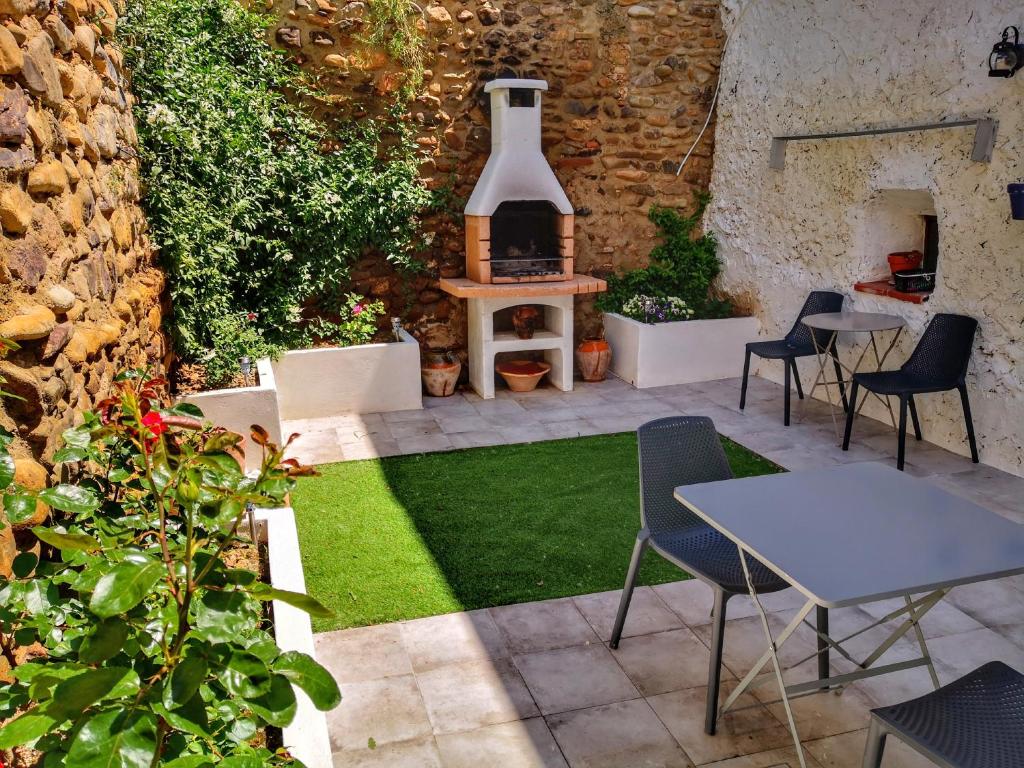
[[593, 356], [440, 372], [524, 320], [522, 375]]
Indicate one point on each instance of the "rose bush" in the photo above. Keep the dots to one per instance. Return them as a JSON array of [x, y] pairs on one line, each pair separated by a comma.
[[152, 649]]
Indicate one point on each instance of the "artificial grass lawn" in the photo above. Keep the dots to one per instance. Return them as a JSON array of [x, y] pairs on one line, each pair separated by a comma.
[[426, 534]]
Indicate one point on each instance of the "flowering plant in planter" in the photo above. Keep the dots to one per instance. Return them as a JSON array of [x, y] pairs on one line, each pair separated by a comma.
[[150, 647], [356, 322], [657, 309]]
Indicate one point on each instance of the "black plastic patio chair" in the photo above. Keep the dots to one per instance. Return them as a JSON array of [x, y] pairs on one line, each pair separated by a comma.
[[974, 722], [683, 450], [938, 364], [798, 343]]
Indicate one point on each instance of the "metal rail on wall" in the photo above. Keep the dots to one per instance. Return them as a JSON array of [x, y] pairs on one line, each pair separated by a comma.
[[984, 138]]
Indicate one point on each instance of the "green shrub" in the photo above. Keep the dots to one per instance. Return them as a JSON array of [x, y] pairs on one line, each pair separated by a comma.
[[682, 266], [356, 323], [255, 206], [157, 650], [233, 337]]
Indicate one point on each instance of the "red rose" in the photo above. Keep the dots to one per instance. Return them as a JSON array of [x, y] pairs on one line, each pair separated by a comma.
[[154, 426]]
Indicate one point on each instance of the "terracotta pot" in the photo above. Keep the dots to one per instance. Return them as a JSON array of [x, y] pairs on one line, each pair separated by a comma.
[[440, 373], [904, 260], [524, 320], [593, 357], [522, 375]]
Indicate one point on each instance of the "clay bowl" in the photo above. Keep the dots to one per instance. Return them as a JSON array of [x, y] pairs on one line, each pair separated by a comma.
[[522, 375]]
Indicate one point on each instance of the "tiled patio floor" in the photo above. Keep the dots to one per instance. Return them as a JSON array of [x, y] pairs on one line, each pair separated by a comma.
[[536, 684]]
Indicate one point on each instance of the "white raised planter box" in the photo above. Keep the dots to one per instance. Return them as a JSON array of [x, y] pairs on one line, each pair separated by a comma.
[[307, 737], [682, 352], [369, 378]]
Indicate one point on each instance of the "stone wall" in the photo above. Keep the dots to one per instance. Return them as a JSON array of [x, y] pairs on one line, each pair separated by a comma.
[[827, 220], [79, 293], [630, 84]]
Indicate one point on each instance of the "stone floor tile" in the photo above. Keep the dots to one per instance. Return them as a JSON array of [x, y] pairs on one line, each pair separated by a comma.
[[425, 444], [386, 710], [820, 715], [1012, 632], [691, 600], [455, 637], [742, 732], [561, 430], [507, 407], [459, 402], [370, 449], [966, 652], [847, 751], [543, 626], [745, 642], [396, 417], [776, 758], [616, 735], [943, 619], [528, 433], [370, 426], [364, 653], [664, 661], [646, 613], [403, 430], [521, 744], [844, 622], [574, 678], [453, 424], [989, 602], [419, 753], [474, 694], [476, 439], [316, 448], [907, 684]]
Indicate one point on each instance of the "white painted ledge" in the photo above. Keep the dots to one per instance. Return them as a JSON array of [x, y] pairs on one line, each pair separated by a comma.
[[307, 737]]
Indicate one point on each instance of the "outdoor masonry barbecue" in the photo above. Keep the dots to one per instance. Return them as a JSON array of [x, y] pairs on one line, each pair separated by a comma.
[[519, 242]]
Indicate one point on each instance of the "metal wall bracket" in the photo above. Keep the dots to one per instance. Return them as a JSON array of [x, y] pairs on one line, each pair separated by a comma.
[[985, 130]]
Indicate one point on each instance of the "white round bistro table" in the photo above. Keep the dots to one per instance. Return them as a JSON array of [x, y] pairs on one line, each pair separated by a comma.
[[834, 323]]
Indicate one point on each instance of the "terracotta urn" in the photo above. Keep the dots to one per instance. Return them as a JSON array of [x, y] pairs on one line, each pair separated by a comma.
[[522, 375], [524, 320], [593, 356], [440, 372]]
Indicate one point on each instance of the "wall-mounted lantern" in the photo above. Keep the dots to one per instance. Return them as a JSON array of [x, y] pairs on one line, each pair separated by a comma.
[[1006, 57]]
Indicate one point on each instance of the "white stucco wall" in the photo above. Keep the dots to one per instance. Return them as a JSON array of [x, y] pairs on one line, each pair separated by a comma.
[[803, 66]]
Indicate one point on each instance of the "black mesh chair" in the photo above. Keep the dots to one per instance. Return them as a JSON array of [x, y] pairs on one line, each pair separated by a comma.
[[798, 343], [683, 450], [938, 364], [974, 722]]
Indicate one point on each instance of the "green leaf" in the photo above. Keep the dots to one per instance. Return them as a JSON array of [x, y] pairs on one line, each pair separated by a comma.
[[278, 706], [191, 717], [241, 761], [77, 437], [70, 498], [190, 761], [185, 409], [24, 564], [66, 540], [225, 616], [316, 681], [246, 675], [297, 599], [73, 696], [26, 728], [105, 642], [124, 587], [185, 681], [6, 468], [115, 739], [19, 507], [68, 454]]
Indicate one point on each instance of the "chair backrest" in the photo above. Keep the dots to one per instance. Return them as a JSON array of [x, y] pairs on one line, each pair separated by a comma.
[[817, 302], [944, 351], [679, 450]]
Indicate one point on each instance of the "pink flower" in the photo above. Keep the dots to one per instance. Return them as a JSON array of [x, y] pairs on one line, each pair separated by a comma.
[[357, 309], [251, 317]]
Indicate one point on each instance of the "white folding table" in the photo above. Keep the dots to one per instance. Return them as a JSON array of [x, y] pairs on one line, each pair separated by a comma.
[[849, 535]]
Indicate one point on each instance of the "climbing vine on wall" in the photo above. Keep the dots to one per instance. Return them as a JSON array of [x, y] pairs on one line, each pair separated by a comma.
[[251, 212]]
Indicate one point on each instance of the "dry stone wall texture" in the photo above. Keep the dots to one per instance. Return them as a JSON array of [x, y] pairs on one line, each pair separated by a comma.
[[630, 83], [810, 66], [79, 292]]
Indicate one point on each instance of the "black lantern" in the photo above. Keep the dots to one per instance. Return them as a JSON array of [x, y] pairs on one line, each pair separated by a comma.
[[1006, 57]]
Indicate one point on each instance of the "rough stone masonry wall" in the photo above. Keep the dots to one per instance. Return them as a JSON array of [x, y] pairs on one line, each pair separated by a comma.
[[630, 85], [78, 292], [808, 66]]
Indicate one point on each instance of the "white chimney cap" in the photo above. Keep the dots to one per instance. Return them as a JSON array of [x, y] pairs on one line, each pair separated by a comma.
[[531, 85]]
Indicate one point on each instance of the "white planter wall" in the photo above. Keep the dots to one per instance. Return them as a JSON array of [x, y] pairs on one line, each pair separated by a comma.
[[370, 378], [307, 737], [677, 353]]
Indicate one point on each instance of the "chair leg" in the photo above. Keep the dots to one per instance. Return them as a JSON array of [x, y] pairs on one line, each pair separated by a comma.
[[796, 378], [823, 648], [785, 418], [970, 422], [839, 379], [715, 664], [850, 413], [875, 745], [642, 541], [743, 386], [913, 417], [901, 448]]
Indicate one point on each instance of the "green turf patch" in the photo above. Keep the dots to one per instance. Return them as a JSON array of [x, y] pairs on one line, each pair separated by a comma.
[[426, 534]]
